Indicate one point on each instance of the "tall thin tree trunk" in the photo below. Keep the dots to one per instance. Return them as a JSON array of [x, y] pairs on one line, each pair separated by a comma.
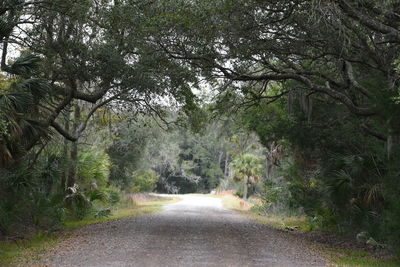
[[110, 124], [269, 168], [245, 186], [310, 109], [392, 142], [74, 148], [65, 153], [226, 171]]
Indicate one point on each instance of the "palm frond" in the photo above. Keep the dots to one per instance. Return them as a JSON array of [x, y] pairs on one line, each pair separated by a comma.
[[15, 102], [5, 155], [25, 65], [38, 87], [31, 128], [98, 195], [6, 28], [374, 193]]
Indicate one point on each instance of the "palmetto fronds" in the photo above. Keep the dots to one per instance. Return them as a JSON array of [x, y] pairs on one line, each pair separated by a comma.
[[374, 193], [17, 107], [37, 87], [247, 166], [12, 103], [25, 65], [6, 28]]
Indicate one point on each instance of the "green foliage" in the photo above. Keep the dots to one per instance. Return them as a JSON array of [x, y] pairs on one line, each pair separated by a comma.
[[86, 204], [349, 258], [128, 147], [97, 194], [276, 198], [31, 196], [102, 213], [247, 169], [93, 167], [325, 109], [19, 100], [78, 204], [247, 166], [144, 181], [391, 196]]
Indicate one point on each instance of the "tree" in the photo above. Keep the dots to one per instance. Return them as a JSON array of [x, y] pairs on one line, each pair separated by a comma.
[[250, 44], [246, 168], [92, 54]]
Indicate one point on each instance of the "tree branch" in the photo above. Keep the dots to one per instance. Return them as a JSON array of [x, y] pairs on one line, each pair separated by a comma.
[[369, 130], [350, 77], [368, 21]]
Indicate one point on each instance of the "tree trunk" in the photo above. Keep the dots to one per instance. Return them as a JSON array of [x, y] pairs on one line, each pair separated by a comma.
[[74, 149], [392, 142], [220, 158], [245, 186], [269, 168], [110, 124], [65, 154], [226, 167]]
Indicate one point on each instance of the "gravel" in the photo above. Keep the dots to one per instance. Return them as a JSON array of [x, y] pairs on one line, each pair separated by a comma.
[[196, 231]]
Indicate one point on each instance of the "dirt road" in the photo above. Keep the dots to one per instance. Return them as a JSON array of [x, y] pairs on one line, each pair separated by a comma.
[[196, 231]]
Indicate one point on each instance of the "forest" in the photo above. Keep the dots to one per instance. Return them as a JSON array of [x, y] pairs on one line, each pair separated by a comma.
[[293, 102]]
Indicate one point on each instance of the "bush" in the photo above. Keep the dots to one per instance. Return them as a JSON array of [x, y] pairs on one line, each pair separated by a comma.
[[30, 194], [93, 167], [144, 181]]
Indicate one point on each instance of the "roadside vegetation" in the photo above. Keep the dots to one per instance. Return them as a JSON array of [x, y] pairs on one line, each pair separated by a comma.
[[337, 254], [17, 251]]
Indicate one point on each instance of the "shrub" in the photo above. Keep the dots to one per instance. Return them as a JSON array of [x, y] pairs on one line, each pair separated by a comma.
[[93, 166], [144, 181], [30, 194]]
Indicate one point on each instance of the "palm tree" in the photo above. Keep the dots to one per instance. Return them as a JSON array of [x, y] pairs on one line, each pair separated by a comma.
[[246, 168], [20, 95]]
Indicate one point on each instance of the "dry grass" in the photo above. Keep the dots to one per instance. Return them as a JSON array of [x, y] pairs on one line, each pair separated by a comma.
[[282, 222], [235, 203]]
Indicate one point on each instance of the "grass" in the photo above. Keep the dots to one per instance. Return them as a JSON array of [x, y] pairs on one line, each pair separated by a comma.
[[127, 210], [277, 221], [19, 251], [231, 202], [282, 222], [349, 258], [235, 203], [12, 252]]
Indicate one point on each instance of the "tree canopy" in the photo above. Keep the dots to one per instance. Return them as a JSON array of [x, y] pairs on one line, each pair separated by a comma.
[[296, 100]]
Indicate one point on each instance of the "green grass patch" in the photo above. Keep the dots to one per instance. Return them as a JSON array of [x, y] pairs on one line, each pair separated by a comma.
[[127, 210], [299, 223], [341, 257], [18, 252]]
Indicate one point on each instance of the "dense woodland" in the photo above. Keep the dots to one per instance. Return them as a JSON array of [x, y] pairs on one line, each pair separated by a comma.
[[296, 102]]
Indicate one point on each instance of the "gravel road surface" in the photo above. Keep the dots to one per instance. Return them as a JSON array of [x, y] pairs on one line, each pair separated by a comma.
[[196, 231]]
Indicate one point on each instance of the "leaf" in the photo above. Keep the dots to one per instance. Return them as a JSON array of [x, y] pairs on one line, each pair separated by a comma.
[[25, 65]]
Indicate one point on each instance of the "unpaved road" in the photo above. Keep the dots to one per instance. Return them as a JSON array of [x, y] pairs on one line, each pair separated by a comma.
[[196, 231]]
